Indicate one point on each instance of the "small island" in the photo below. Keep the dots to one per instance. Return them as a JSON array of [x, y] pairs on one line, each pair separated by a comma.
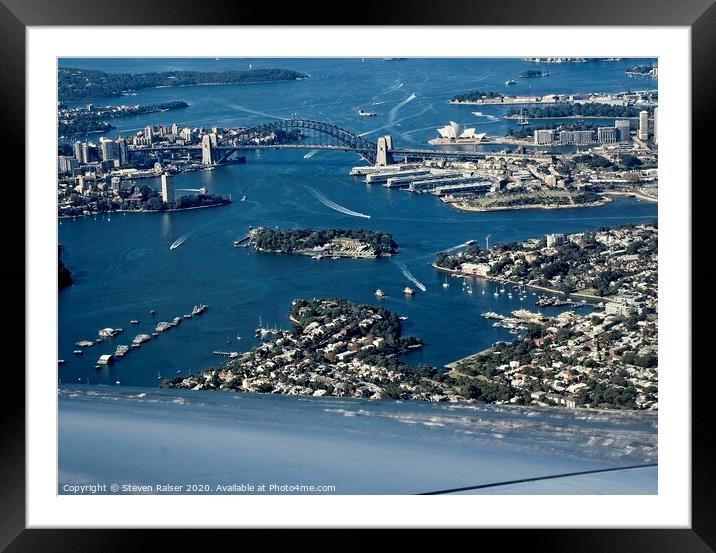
[[332, 243], [84, 84]]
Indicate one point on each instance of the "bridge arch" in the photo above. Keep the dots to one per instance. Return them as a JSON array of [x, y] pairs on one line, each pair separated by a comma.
[[342, 138]]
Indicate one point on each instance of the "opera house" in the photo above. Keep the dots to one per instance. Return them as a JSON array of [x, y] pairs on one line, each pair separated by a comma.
[[454, 132]]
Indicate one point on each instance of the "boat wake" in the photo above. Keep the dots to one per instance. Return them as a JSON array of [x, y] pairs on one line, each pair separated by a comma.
[[463, 245], [310, 154], [333, 205], [178, 242], [394, 112], [411, 277]]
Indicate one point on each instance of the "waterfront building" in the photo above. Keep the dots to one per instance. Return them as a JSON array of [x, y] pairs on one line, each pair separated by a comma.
[[607, 135], [656, 125], [643, 125], [623, 126], [544, 137], [554, 240], [454, 131], [175, 130], [576, 137], [168, 189], [149, 133], [207, 150]]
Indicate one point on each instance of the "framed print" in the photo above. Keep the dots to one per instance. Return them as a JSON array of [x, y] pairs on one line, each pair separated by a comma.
[[305, 274]]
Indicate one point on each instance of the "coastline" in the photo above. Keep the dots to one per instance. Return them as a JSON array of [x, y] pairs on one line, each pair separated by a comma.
[[143, 210], [637, 194], [508, 281], [461, 207]]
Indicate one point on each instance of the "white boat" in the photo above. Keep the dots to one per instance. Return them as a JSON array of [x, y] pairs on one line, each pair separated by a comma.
[[510, 82], [408, 291], [243, 198], [380, 293], [522, 121]]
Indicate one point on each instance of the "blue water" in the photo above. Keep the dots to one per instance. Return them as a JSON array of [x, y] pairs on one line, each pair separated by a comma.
[[123, 267]]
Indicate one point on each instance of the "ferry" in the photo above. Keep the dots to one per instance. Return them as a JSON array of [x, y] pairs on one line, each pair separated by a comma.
[[78, 352], [380, 293], [134, 322], [408, 291], [199, 309], [361, 113], [187, 316]]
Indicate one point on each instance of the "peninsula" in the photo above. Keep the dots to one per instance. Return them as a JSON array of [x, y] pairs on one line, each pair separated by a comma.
[[333, 243], [84, 84], [335, 348], [94, 119]]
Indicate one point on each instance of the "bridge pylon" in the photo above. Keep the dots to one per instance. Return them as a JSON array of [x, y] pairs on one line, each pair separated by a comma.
[[383, 156]]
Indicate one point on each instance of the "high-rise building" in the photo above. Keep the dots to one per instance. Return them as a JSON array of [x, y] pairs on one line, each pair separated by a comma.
[[656, 125], [78, 151], [108, 149], [175, 130], [623, 126], [207, 150], [149, 133], [123, 151], [643, 125], [67, 164], [187, 134], [168, 189], [607, 135], [85, 153]]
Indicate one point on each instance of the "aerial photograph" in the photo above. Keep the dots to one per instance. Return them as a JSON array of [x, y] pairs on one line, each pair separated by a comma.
[[357, 276]]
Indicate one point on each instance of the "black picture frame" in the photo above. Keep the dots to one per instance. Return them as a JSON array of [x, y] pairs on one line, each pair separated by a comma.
[[698, 15]]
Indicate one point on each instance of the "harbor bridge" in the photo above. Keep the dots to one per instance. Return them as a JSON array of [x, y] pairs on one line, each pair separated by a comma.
[[315, 135]]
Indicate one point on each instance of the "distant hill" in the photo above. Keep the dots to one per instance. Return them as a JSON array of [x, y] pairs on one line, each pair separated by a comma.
[[85, 84]]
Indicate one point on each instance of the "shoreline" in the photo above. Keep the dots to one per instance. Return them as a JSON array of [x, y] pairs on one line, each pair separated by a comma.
[[637, 194], [534, 286], [142, 211], [458, 205], [322, 254]]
